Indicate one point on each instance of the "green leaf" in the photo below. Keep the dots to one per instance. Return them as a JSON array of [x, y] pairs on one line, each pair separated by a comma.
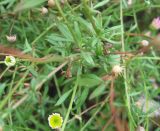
[[135, 93], [90, 80], [101, 4], [98, 91], [27, 4], [114, 59], [28, 48], [88, 58], [63, 98], [82, 97], [85, 24], [2, 87], [65, 31], [77, 31], [54, 38]]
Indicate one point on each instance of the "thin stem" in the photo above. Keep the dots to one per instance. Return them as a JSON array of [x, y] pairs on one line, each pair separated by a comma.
[[94, 115], [70, 106], [25, 97], [146, 102], [13, 90], [4, 72], [38, 87], [85, 111], [125, 72], [59, 92], [10, 88], [10, 31], [1, 62]]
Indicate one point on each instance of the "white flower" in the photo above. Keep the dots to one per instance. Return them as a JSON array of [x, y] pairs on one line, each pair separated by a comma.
[[11, 38], [117, 70], [10, 61], [145, 42]]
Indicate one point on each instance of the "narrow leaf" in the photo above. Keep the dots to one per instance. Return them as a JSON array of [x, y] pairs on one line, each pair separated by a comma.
[[63, 98], [98, 91]]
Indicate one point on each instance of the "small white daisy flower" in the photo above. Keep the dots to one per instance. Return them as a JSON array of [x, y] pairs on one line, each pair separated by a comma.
[[10, 61]]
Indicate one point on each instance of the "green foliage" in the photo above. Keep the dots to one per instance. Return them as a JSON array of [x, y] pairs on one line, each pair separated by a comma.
[[65, 60]]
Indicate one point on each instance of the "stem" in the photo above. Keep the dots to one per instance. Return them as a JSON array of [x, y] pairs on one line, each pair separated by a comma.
[[70, 106], [4, 72], [13, 90], [59, 92], [94, 115], [38, 87], [1, 62], [125, 72], [10, 89]]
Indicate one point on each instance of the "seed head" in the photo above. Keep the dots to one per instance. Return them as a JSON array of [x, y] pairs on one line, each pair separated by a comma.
[[117, 70], [11, 38]]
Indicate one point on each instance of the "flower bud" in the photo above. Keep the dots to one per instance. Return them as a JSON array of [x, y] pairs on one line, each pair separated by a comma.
[[156, 23], [145, 42], [44, 10], [51, 3]]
